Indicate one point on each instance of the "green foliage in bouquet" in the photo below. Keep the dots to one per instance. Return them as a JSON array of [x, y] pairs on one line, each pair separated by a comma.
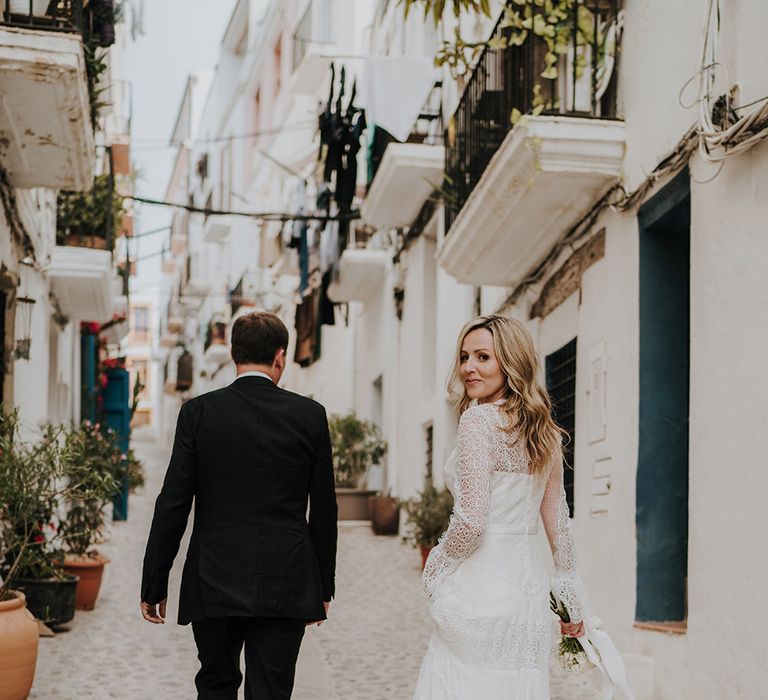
[[427, 516], [569, 649], [356, 444]]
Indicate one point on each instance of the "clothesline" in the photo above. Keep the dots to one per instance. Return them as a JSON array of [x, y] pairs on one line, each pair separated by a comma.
[[262, 216]]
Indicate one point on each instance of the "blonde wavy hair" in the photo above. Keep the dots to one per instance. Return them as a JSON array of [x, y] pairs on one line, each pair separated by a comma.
[[526, 406]]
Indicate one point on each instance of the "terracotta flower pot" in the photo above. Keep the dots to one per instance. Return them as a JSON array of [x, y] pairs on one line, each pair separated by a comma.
[[18, 648], [385, 515], [89, 570], [425, 550]]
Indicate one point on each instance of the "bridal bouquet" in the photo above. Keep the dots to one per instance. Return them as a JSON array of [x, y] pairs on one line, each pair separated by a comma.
[[570, 651]]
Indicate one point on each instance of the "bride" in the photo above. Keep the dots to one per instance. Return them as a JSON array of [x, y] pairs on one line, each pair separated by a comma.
[[488, 582]]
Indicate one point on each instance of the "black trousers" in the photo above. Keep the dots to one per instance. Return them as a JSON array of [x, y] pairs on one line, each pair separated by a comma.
[[271, 649]]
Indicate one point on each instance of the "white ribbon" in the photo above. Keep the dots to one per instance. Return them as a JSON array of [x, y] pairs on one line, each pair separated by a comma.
[[601, 651]]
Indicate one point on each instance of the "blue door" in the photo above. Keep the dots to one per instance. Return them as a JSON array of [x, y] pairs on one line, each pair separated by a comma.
[[117, 415]]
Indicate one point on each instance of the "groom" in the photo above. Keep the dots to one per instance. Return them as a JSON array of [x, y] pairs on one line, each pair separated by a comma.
[[257, 569]]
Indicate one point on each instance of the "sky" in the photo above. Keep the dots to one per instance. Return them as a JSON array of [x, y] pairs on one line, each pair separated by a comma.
[[181, 37]]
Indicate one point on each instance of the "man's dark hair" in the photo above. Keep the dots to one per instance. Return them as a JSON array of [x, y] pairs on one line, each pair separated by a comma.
[[257, 337]]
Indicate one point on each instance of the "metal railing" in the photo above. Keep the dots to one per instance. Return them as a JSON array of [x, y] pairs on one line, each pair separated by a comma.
[[507, 82], [62, 15]]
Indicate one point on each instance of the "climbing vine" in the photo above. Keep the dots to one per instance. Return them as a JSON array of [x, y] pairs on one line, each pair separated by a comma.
[[566, 27]]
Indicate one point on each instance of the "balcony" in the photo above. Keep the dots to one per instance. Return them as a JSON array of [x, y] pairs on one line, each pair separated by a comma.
[[362, 268], [45, 120], [311, 44], [216, 229], [405, 174], [528, 155], [216, 348], [81, 279]]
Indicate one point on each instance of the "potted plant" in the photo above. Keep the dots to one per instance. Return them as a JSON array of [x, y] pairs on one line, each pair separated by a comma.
[[84, 218], [18, 629], [95, 465], [357, 444], [427, 518], [385, 514], [33, 485]]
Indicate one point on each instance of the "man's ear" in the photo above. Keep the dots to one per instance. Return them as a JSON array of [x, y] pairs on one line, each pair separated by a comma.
[[279, 362]]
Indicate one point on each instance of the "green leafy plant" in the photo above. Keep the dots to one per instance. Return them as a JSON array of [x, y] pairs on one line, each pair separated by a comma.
[[134, 469], [94, 465], [87, 213], [95, 67], [32, 483], [427, 516], [356, 444], [563, 26]]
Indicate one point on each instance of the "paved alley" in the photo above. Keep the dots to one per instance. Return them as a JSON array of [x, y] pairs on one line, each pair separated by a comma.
[[370, 649]]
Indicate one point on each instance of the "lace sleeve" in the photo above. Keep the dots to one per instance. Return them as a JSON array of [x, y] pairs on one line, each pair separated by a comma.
[[472, 492], [567, 584]]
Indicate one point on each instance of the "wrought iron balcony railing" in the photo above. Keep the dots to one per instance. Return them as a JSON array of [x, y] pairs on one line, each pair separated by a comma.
[[62, 15], [536, 64]]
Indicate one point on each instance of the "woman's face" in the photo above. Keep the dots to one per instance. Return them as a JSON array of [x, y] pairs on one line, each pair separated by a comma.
[[479, 369]]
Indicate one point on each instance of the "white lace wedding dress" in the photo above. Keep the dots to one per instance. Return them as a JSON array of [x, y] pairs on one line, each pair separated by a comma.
[[489, 579]]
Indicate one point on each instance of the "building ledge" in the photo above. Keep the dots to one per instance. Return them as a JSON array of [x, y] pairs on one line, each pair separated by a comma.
[[546, 175], [46, 136], [361, 273], [408, 174], [81, 278]]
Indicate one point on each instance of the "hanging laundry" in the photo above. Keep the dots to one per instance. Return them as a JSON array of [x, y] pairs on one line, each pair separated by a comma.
[[395, 90], [307, 330]]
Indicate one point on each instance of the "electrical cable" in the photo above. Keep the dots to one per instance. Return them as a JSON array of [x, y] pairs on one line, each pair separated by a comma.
[[262, 216]]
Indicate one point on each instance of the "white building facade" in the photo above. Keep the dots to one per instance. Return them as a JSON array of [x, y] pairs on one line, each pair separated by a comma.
[[50, 285], [635, 261]]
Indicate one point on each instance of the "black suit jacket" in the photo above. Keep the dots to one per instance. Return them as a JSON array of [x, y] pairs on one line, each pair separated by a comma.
[[250, 455]]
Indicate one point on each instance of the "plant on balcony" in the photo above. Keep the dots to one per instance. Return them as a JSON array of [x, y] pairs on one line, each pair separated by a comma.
[[106, 14], [95, 66], [562, 25], [90, 218]]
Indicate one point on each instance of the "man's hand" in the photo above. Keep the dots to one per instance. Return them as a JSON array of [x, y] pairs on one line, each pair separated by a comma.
[[150, 613], [327, 607]]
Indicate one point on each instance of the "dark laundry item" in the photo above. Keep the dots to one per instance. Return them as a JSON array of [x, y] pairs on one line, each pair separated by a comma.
[[327, 309], [303, 259], [306, 330]]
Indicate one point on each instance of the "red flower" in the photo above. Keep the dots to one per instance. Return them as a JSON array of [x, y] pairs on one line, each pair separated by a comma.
[[38, 538]]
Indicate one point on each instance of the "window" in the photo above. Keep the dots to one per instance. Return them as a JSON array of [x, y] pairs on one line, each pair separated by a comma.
[[141, 322], [561, 385]]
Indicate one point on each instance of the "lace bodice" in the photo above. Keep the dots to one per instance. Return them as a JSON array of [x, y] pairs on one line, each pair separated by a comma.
[[495, 492]]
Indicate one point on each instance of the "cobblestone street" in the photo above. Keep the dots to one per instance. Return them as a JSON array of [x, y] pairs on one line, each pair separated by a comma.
[[370, 648]]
